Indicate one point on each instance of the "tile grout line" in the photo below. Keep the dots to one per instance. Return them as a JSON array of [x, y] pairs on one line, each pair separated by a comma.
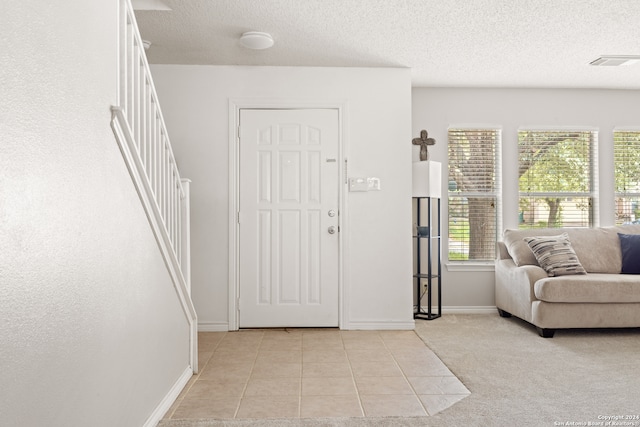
[[397, 353], [415, 394], [211, 357], [190, 383], [353, 377], [301, 374], [246, 384]]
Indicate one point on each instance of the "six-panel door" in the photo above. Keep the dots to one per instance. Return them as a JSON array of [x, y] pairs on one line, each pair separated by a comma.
[[289, 207]]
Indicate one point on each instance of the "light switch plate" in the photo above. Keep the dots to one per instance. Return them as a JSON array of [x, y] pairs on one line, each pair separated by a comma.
[[373, 184], [358, 184]]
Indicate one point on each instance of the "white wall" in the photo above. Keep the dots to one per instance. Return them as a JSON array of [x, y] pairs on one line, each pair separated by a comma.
[[435, 109], [91, 332], [195, 103]]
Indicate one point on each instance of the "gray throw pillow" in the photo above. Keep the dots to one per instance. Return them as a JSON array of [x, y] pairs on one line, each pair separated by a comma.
[[555, 255]]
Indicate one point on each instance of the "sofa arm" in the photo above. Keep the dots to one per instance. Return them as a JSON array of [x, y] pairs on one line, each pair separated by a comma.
[[514, 287], [530, 274]]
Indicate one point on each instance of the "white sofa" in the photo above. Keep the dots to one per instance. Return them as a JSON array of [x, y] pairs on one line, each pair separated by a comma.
[[601, 298]]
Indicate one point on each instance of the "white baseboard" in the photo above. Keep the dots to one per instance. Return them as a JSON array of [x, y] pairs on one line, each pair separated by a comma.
[[168, 400], [371, 324], [213, 327], [468, 309], [377, 325]]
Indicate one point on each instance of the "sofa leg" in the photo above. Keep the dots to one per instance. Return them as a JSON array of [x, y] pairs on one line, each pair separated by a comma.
[[546, 333], [503, 313]]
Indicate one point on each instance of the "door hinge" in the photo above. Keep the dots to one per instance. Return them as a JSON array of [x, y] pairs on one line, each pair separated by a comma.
[[238, 304], [238, 217]]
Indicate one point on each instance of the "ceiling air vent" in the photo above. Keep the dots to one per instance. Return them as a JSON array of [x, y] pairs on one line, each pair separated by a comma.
[[616, 60]]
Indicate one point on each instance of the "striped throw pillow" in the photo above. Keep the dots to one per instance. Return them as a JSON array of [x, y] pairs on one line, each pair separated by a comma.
[[555, 255]]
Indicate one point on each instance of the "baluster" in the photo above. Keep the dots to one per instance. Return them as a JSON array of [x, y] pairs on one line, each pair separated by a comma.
[[185, 243], [159, 173], [147, 129], [153, 150], [151, 113], [145, 122], [130, 106], [149, 126], [143, 114], [179, 222], [137, 92], [171, 207], [134, 93], [165, 181], [139, 97], [176, 219], [123, 49], [167, 219], [176, 215], [172, 210], [158, 161], [163, 172]]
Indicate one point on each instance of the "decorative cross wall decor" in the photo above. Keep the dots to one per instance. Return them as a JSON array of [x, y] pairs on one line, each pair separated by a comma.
[[423, 142]]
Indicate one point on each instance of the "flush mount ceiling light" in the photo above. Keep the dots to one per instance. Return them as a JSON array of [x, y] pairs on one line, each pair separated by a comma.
[[616, 60], [256, 40]]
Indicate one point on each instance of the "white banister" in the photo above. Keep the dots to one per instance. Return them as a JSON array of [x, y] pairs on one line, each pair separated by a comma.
[[140, 130], [139, 102]]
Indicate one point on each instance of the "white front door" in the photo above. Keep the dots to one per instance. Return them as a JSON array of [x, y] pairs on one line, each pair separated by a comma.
[[288, 220]]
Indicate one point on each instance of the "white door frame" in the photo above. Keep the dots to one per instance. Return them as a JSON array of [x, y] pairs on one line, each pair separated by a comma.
[[235, 105]]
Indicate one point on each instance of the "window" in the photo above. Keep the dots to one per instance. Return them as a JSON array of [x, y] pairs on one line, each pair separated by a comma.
[[557, 178], [474, 193], [626, 157]]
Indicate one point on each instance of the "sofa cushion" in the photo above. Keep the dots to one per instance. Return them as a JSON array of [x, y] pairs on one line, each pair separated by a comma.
[[589, 288], [519, 249], [555, 255], [630, 248], [598, 249]]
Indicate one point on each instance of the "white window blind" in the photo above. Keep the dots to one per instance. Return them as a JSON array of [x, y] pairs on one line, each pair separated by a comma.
[[626, 156], [474, 193], [557, 178]]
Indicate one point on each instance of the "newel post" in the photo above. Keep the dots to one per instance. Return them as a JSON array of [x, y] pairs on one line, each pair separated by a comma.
[[185, 226]]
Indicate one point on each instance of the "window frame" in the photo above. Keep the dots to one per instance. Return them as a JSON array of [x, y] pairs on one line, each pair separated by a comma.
[[495, 193], [592, 191], [633, 196]]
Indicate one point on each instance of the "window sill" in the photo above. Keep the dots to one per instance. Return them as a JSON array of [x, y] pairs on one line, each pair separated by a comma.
[[471, 266]]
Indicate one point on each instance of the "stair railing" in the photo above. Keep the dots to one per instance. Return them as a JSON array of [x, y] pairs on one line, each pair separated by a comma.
[[141, 132]]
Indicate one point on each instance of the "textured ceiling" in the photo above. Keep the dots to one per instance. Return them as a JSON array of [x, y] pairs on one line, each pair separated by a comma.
[[452, 43]]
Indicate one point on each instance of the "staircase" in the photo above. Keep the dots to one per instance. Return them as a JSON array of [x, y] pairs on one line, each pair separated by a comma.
[[141, 133]]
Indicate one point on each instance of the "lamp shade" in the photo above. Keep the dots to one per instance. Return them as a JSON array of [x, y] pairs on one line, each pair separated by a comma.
[[427, 179]]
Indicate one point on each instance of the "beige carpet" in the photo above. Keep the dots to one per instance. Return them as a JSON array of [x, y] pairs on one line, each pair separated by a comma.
[[516, 378]]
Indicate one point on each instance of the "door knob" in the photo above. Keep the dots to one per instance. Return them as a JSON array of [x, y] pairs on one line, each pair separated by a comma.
[[331, 213], [331, 230]]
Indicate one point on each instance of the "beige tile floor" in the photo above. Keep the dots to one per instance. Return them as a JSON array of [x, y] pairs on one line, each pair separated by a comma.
[[299, 373]]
